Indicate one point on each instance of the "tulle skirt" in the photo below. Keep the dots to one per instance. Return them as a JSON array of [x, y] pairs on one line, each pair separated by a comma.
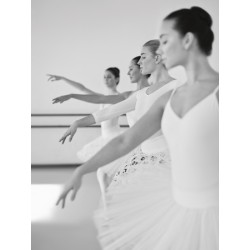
[[94, 146], [105, 173], [143, 215], [109, 173]]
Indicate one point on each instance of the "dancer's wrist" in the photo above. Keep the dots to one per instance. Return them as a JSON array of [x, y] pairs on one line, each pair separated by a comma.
[[82, 170], [77, 123]]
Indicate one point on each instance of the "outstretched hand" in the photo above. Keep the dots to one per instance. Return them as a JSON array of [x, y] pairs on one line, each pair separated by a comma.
[[53, 78], [70, 132], [73, 184], [61, 99]]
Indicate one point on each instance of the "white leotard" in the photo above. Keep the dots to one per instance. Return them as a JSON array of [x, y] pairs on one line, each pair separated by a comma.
[[157, 142], [194, 149], [140, 102], [110, 127]]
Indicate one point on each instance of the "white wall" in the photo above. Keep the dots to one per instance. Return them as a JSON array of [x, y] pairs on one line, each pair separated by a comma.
[[80, 38]]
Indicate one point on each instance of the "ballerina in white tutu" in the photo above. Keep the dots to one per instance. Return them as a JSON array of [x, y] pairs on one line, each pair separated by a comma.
[[150, 213], [109, 127], [151, 151]]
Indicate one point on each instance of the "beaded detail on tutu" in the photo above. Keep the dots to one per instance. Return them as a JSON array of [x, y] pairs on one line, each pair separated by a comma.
[[120, 171], [144, 215], [138, 161]]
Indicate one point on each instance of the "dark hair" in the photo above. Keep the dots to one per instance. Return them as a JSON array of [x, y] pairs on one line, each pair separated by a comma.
[[197, 21], [115, 71], [153, 45], [136, 60]]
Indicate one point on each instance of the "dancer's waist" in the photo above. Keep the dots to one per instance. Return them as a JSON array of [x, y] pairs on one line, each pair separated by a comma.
[[197, 198], [155, 144]]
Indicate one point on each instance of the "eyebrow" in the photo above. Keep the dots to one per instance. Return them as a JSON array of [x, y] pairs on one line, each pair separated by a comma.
[[142, 54]]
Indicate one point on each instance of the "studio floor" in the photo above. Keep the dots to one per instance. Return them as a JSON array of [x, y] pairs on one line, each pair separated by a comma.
[[71, 228]]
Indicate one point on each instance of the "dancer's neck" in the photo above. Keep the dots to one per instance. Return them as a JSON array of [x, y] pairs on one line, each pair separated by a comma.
[[111, 91], [199, 70], [142, 83], [160, 75]]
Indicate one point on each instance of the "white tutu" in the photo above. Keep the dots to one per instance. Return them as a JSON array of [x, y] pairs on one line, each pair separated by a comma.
[[144, 216], [138, 160], [106, 173], [94, 146]]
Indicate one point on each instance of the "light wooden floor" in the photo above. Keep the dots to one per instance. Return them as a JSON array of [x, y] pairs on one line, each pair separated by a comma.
[[71, 228]]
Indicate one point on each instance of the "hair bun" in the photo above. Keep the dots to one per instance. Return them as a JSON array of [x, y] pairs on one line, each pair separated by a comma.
[[202, 15], [115, 71]]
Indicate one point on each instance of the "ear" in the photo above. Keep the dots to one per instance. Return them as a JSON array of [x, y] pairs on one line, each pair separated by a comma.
[[158, 59], [188, 40]]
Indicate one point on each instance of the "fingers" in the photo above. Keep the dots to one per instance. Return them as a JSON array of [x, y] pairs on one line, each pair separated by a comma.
[[71, 137], [63, 196], [73, 196], [64, 137], [64, 140], [58, 99], [51, 77], [55, 100], [58, 201], [63, 203], [61, 199]]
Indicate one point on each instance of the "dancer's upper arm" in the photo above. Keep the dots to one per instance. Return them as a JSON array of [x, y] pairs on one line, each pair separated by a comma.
[[115, 110]]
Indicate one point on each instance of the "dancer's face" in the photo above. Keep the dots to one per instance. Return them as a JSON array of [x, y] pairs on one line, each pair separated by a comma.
[[134, 72], [172, 47], [110, 80], [147, 62]]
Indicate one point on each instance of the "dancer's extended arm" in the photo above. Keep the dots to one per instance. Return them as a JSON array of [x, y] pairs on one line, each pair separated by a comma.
[[148, 125], [74, 84], [100, 116], [94, 98]]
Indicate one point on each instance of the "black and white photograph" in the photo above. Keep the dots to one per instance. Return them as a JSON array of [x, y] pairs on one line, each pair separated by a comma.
[[124, 125]]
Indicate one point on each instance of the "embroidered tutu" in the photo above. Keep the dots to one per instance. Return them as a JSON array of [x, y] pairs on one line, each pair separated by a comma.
[[138, 161]]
